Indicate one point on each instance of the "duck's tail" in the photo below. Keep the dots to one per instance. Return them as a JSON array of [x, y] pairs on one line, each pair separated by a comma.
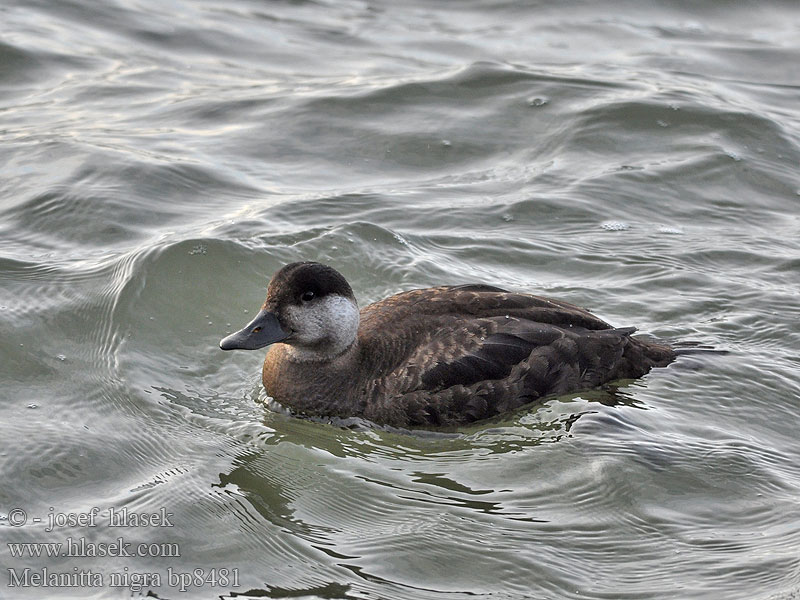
[[640, 354]]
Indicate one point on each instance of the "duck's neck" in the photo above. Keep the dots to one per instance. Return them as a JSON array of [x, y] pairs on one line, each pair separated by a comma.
[[327, 353], [323, 387]]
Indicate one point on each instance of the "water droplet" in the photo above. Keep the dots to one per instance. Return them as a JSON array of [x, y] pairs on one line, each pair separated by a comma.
[[210, 322], [447, 143], [61, 357], [33, 405]]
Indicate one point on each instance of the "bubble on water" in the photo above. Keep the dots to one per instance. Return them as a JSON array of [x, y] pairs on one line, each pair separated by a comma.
[[662, 123], [447, 143], [199, 249], [400, 239], [33, 405], [694, 27], [671, 229], [61, 357], [733, 155], [615, 226], [537, 101]]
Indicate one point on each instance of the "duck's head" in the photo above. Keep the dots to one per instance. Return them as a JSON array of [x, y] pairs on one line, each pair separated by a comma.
[[309, 307]]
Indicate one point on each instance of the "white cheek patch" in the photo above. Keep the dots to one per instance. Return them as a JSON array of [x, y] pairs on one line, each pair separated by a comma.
[[332, 320]]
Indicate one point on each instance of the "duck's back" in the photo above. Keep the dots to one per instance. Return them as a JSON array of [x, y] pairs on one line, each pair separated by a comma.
[[451, 355]]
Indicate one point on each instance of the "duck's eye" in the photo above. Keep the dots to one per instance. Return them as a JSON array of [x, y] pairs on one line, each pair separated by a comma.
[[307, 296]]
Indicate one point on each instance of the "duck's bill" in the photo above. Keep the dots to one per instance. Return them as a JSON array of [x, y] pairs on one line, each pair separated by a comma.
[[262, 331]]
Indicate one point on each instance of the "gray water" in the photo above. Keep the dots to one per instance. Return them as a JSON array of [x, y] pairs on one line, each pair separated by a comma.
[[160, 160]]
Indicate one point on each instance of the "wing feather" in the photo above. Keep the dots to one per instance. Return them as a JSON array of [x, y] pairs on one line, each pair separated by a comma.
[[466, 353]]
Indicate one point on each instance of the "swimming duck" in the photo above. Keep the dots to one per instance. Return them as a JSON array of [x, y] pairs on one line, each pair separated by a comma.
[[440, 356]]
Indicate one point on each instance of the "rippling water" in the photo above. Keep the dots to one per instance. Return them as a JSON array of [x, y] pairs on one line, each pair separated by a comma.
[[160, 160]]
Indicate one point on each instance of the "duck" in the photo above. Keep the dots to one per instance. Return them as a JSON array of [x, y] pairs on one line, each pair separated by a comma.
[[443, 356]]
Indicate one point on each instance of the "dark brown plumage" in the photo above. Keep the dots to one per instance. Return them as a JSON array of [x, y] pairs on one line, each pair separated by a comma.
[[433, 357]]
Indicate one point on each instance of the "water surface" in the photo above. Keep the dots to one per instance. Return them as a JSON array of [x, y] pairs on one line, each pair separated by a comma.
[[160, 160]]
